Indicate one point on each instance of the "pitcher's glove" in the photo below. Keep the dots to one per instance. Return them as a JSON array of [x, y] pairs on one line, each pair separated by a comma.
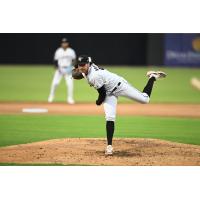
[[76, 74]]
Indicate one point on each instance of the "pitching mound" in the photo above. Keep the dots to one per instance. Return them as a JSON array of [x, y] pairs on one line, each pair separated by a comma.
[[91, 152]]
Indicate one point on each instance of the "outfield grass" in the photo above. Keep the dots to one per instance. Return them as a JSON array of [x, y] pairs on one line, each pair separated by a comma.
[[33, 84], [18, 129]]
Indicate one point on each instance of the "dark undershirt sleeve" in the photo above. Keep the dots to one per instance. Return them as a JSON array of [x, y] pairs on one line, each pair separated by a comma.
[[102, 95]]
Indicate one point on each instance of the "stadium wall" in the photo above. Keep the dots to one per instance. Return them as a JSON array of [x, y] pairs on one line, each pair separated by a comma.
[[112, 49]]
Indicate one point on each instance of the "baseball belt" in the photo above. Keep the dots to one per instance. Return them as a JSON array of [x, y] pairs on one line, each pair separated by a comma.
[[116, 87]]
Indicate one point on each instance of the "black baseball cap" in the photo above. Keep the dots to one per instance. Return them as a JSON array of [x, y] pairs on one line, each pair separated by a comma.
[[64, 40], [84, 59]]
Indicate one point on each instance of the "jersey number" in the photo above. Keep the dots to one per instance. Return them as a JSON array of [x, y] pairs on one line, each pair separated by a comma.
[[98, 68]]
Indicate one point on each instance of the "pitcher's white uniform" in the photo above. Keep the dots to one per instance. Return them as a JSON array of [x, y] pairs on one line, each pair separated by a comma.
[[115, 86], [110, 86], [64, 57]]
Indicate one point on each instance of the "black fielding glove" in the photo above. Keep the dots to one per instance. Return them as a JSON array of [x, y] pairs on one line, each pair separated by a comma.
[[76, 74]]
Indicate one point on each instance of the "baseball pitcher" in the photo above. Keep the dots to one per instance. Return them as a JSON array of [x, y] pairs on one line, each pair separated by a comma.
[[63, 58], [110, 86]]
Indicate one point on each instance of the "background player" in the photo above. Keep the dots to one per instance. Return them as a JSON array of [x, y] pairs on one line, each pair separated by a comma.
[[110, 86], [63, 58]]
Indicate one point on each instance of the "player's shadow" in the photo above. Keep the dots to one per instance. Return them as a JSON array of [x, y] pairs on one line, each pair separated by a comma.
[[126, 154]]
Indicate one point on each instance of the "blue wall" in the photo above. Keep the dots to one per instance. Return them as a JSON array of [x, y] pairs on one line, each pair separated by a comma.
[[182, 50]]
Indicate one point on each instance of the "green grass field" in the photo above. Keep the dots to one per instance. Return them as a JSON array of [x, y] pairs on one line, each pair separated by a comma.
[[33, 84], [20, 129]]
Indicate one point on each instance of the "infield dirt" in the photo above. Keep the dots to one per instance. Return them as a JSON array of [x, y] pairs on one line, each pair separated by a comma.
[[177, 110]]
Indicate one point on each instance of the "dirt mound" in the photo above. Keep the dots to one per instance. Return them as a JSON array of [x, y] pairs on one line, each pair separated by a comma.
[[91, 152]]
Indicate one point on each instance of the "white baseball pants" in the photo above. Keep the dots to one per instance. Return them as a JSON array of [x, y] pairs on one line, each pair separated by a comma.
[[69, 83], [126, 90]]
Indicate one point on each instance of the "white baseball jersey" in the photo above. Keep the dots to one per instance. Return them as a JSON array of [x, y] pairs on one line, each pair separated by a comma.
[[64, 57], [97, 77]]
